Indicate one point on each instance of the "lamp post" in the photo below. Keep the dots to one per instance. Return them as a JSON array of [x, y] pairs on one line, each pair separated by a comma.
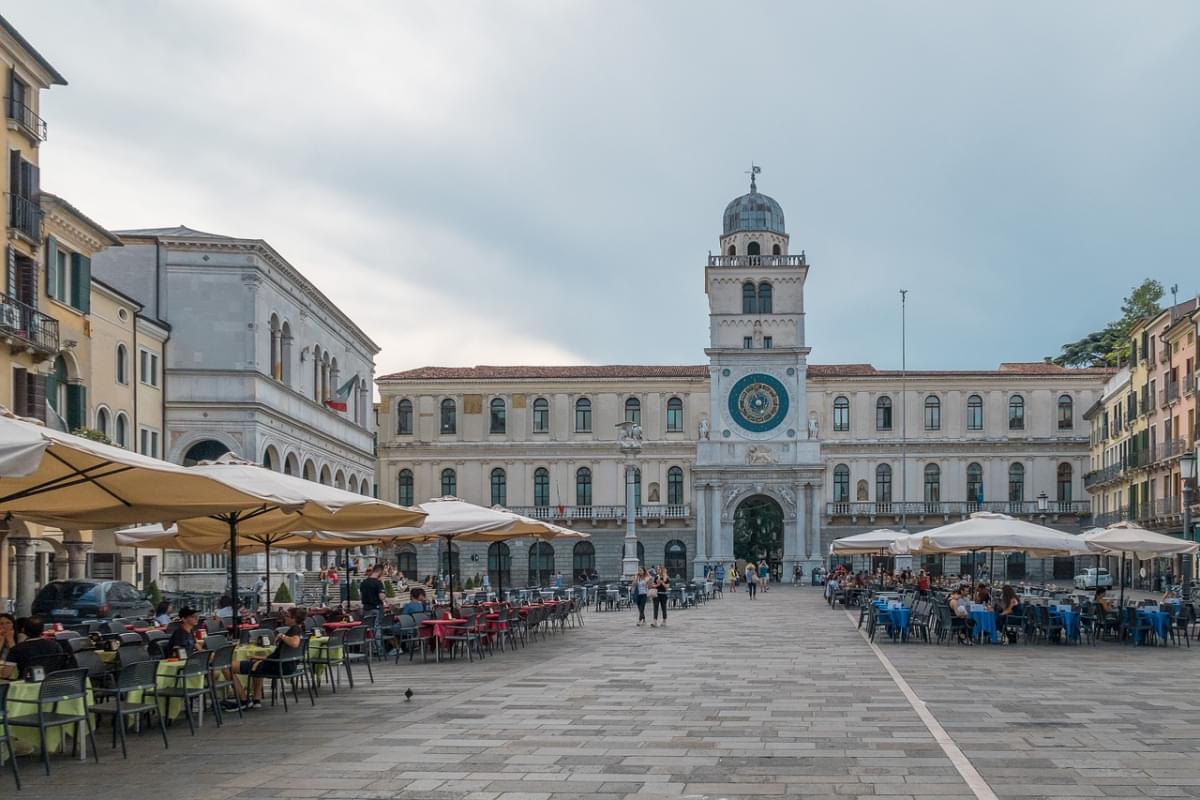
[[1043, 504], [1187, 474], [630, 441]]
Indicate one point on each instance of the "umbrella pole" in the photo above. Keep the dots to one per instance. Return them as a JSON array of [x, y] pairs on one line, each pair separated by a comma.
[[346, 560], [267, 545], [450, 571], [233, 576]]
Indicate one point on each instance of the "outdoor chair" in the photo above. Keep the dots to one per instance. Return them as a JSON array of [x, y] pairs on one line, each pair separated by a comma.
[[1138, 629], [78, 644], [114, 627], [131, 654], [97, 670], [1089, 622], [1049, 627], [221, 677], [919, 620], [411, 637], [1013, 627], [1182, 618], [51, 662], [462, 636], [141, 678], [215, 642], [195, 670], [5, 737], [356, 647], [292, 665], [322, 656], [65, 686]]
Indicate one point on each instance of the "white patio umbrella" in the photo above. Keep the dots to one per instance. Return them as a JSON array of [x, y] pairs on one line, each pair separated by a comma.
[[879, 540], [1126, 538]]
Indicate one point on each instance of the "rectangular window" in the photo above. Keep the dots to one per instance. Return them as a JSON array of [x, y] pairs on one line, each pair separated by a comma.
[[541, 416], [674, 416], [62, 271], [148, 444], [148, 368], [883, 417], [767, 342], [747, 342], [583, 416]]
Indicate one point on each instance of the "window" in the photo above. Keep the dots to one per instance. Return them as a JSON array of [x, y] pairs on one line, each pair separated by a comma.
[[583, 487], [841, 413], [637, 489], [449, 483], [775, 250], [633, 411], [974, 483], [749, 298], [674, 415], [933, 413], [149, 442], [1016, 413], [753, 249], [497, 418], [121, 431], [449, 416], [583, 560], [404, 418], [541, 487], [933, 483], [122, 365], [149, 368], [499, 565], [499, 487], [732, 251], [883, 484], [841, 484], [404, 493], [541, 564], [1016, 483], [747, 342], [675, 560], [1064, 483], [583, 415], [675, 486], [406, 561], [883, 414], [768, 342], [764, 298], [974, 413], [541, 415], [1066, 413], [102, 420]]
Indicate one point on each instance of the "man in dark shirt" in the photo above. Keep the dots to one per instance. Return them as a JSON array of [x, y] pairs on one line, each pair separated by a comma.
[[36, 649], [371, 591], [184, 636]]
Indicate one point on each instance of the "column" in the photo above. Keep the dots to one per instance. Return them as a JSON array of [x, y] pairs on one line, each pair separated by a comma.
[[23, 555], [811, 523], [77, 559], [629, 564], [699, 501], [800, 548], [723, 548]]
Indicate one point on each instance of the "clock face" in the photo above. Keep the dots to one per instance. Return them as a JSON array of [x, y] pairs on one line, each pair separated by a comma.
[[758, 402]]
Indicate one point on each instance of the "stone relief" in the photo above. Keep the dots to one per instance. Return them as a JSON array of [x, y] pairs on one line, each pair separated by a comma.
[[760, 455]]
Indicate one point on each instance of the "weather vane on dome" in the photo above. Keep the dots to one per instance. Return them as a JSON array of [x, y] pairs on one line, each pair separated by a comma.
[[754, 170]]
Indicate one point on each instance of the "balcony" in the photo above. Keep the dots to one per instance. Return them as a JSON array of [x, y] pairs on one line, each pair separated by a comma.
[[26, 328], [1107, 518], [758, 261], [595, 514], [1189, 384], [25, 217], [1103, 475], [953, 509], [1168, 449], [1168, 395], [24, 118]]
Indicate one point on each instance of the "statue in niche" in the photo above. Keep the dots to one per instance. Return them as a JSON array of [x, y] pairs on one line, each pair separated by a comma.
[[654, 492], [814, 427], [703, 429], [758, 335], [862, 491]]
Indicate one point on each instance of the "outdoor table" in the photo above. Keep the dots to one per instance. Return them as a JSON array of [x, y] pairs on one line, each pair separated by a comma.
[[985, 622], [1159, 620], [896, 620], [441, 627], [317, 649], [1069, 620], [19, 692], [341, 626], [246, 652]]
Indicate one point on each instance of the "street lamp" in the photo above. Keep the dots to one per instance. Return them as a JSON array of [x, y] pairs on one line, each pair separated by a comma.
[[1043, 504], [1187, 474], [630, 442]]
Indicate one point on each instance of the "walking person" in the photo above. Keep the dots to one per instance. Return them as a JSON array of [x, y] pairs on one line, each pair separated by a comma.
[[640, 589], [764, 576], [751, 579], [731, 577], [662, 589]]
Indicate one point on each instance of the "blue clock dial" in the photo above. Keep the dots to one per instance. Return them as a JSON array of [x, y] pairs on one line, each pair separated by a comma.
[[758, 402]]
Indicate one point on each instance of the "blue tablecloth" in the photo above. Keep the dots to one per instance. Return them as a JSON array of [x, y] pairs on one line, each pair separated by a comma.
[[896, 620], [1069, 620], [985, 623], [1159, 620]]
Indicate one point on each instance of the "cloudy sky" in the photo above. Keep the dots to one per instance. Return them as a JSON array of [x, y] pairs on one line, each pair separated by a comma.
[[505, 182]]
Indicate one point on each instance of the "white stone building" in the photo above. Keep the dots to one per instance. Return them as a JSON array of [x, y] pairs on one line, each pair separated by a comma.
[[830, 449]]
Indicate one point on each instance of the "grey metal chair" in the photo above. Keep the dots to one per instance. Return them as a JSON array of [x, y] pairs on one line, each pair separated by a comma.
[[196, 667], [60, 687], [140, 677], [324, 657], [6, 736], [355, 648]]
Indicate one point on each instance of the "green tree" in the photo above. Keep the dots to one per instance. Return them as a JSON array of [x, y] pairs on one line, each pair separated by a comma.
[[757, 529], [282, 595], [154, 594], [1106, 347]]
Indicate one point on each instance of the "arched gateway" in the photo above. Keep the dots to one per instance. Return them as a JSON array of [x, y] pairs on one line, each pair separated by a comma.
[[758, 531]]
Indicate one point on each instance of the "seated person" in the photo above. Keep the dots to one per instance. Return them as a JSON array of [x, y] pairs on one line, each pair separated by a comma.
[[983, 594], [34, 648], [258, 668], [416, 602], [184, 634], [1009, 604], [162, 614], [8, 635], [225, 609], [960, 607], [1101, 599]]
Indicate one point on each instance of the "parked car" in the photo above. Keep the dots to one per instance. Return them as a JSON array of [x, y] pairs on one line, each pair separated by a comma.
[[1094, 578], [87, 598]]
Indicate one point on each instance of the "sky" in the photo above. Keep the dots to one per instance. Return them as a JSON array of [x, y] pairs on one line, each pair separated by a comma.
[[541, 183]]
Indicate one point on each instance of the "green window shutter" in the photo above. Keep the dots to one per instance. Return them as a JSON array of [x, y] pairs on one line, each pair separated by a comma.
[[76, 406], [81, 282], [52, 276]]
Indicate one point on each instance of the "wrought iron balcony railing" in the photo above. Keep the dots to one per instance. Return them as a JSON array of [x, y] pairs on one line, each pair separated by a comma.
[[23, 115], [27, 326]]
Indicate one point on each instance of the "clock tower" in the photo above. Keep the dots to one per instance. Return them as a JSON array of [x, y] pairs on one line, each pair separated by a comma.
[[759, 454]]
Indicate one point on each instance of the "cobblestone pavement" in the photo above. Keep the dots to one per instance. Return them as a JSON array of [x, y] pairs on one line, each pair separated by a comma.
[[737, 699]]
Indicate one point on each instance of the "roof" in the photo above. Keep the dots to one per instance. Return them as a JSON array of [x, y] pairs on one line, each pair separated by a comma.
[[104, 232], [753, 212], [55, 76], [177, 232], [487, 372]]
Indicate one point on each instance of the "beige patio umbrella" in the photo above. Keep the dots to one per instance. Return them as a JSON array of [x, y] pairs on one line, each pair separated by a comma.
[[1126, 538]]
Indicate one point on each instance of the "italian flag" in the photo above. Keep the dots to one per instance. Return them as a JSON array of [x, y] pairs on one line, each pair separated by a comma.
[[338, 401]]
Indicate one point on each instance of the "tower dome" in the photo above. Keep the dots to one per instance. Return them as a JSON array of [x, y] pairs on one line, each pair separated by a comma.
[[753, 212]]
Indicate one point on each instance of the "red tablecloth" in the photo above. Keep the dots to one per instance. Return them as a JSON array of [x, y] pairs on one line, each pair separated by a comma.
[[442, 627], [339, 626]]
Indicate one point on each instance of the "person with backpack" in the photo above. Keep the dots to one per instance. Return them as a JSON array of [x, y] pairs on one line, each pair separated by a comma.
[[751, 580]]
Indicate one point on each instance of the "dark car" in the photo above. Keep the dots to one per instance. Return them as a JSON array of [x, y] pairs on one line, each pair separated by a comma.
[[74, 600]]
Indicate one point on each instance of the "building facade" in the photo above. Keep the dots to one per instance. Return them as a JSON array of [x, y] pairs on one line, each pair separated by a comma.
[[821, 451]]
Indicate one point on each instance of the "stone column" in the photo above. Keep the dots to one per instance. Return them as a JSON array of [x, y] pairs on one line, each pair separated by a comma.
[[77, 559], [629, 564], [699, 501], [23, 561], [811, 524], [722, 546]]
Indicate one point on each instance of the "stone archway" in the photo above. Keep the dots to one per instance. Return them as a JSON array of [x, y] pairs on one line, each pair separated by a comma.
[[758, 530]]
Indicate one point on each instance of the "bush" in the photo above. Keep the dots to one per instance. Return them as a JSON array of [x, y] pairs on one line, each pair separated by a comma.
[[154, 594], [389, 589], [94, 435], [354, 595], [282, 595]]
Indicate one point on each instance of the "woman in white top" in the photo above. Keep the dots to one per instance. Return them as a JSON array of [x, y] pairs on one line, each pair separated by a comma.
[[640, 590]]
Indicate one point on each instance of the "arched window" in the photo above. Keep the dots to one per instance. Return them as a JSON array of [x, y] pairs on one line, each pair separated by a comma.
[[326, 476], [974, 483], [204, 450], [637, 489], [883, 414], [269, 458], [732, 251], [498, 417], [404, 418], [122, 364], [450, 563], [1016, 483], [583, 415], [449, 483], [541, 415], [841, 413], [449, 416], [674, 415], [933, 483], [775, 250], [1064, 484], [1016, 413], [499, 487], [1066, 413], [764, 298], [406, 560], [633, 411], [352, 485], [499, 564], [583, 561], [541, 564], [276, 348], [285, 353], [974, 413], [102, 420], [933, 413], [753, 249], [675, 560], [883, 484], [841, 483], [541, 487], [675, 486], [749, 298], [583, 487]]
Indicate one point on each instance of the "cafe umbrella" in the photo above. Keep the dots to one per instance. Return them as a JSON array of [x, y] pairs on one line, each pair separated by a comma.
[[1126, 538], [882, 542]]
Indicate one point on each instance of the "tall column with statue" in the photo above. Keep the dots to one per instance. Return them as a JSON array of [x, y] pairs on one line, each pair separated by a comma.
[[630, 442]]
